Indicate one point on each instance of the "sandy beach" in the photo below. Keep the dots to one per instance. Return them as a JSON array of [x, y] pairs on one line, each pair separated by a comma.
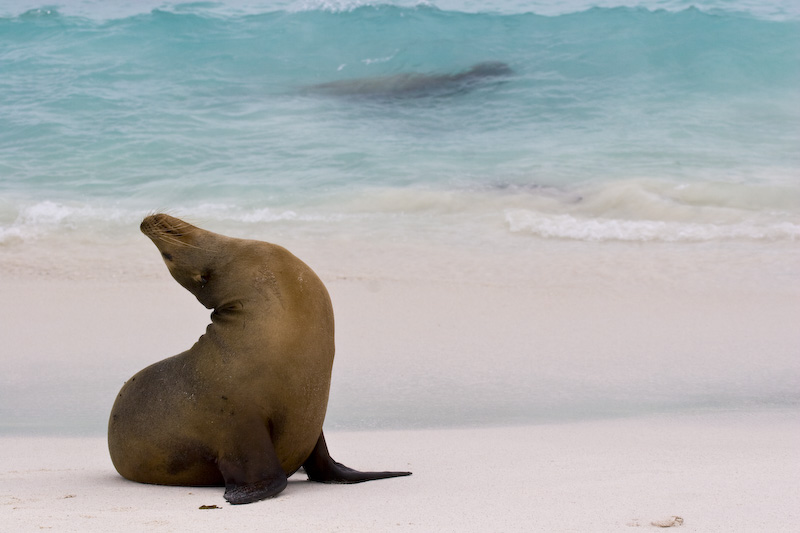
[[565, 397], [718, 472]]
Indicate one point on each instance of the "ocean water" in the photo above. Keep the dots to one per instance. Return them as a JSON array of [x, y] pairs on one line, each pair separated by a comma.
[[633, 121], [606, 124]]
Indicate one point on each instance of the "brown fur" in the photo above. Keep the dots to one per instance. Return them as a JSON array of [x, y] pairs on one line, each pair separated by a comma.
[[259, 376]]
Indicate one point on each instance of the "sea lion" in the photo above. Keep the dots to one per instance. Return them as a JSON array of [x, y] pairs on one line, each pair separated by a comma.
[[244, 406], [414, 84]]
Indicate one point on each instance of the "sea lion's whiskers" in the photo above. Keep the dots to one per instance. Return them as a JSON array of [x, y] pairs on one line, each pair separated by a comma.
[[171, 239], [168, 229]]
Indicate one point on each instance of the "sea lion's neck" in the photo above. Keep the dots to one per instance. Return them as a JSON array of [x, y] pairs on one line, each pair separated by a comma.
[[224, 320], [226, 315]]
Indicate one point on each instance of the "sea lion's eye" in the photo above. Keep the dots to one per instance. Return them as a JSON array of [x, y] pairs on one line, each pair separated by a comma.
[[204, 278], [166, 256]]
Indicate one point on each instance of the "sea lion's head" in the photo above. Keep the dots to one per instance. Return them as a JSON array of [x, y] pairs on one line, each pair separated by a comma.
[[193, 256]]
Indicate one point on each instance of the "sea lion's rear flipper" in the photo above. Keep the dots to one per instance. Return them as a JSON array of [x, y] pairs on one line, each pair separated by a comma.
[[322, 468], [251, 468]]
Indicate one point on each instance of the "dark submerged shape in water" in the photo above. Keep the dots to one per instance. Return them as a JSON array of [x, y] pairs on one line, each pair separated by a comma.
[[414, 85]]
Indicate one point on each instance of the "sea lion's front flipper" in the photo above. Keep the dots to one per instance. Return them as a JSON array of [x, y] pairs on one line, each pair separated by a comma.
[[322, 468], [251, 468]]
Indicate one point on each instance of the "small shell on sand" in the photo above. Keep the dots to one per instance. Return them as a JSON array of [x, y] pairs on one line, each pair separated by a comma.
[[672, 521]]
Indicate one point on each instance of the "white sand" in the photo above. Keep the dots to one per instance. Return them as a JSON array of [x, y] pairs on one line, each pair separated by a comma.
[[719, 472], [546, 333], [560, 331]]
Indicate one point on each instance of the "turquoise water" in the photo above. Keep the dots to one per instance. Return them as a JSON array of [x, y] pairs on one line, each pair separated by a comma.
[[632, 115]]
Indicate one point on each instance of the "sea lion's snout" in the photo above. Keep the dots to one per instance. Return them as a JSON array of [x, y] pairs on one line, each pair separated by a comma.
[[161, 225]]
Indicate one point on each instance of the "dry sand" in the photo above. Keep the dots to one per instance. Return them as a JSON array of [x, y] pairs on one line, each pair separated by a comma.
[[523, 343], [718, 472]]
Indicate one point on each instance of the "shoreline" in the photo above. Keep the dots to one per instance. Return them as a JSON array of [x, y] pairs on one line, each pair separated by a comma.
[[486, 260], [733, 471]]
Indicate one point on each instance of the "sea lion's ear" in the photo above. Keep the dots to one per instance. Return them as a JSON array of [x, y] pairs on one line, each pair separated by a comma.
[[201, 278]]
